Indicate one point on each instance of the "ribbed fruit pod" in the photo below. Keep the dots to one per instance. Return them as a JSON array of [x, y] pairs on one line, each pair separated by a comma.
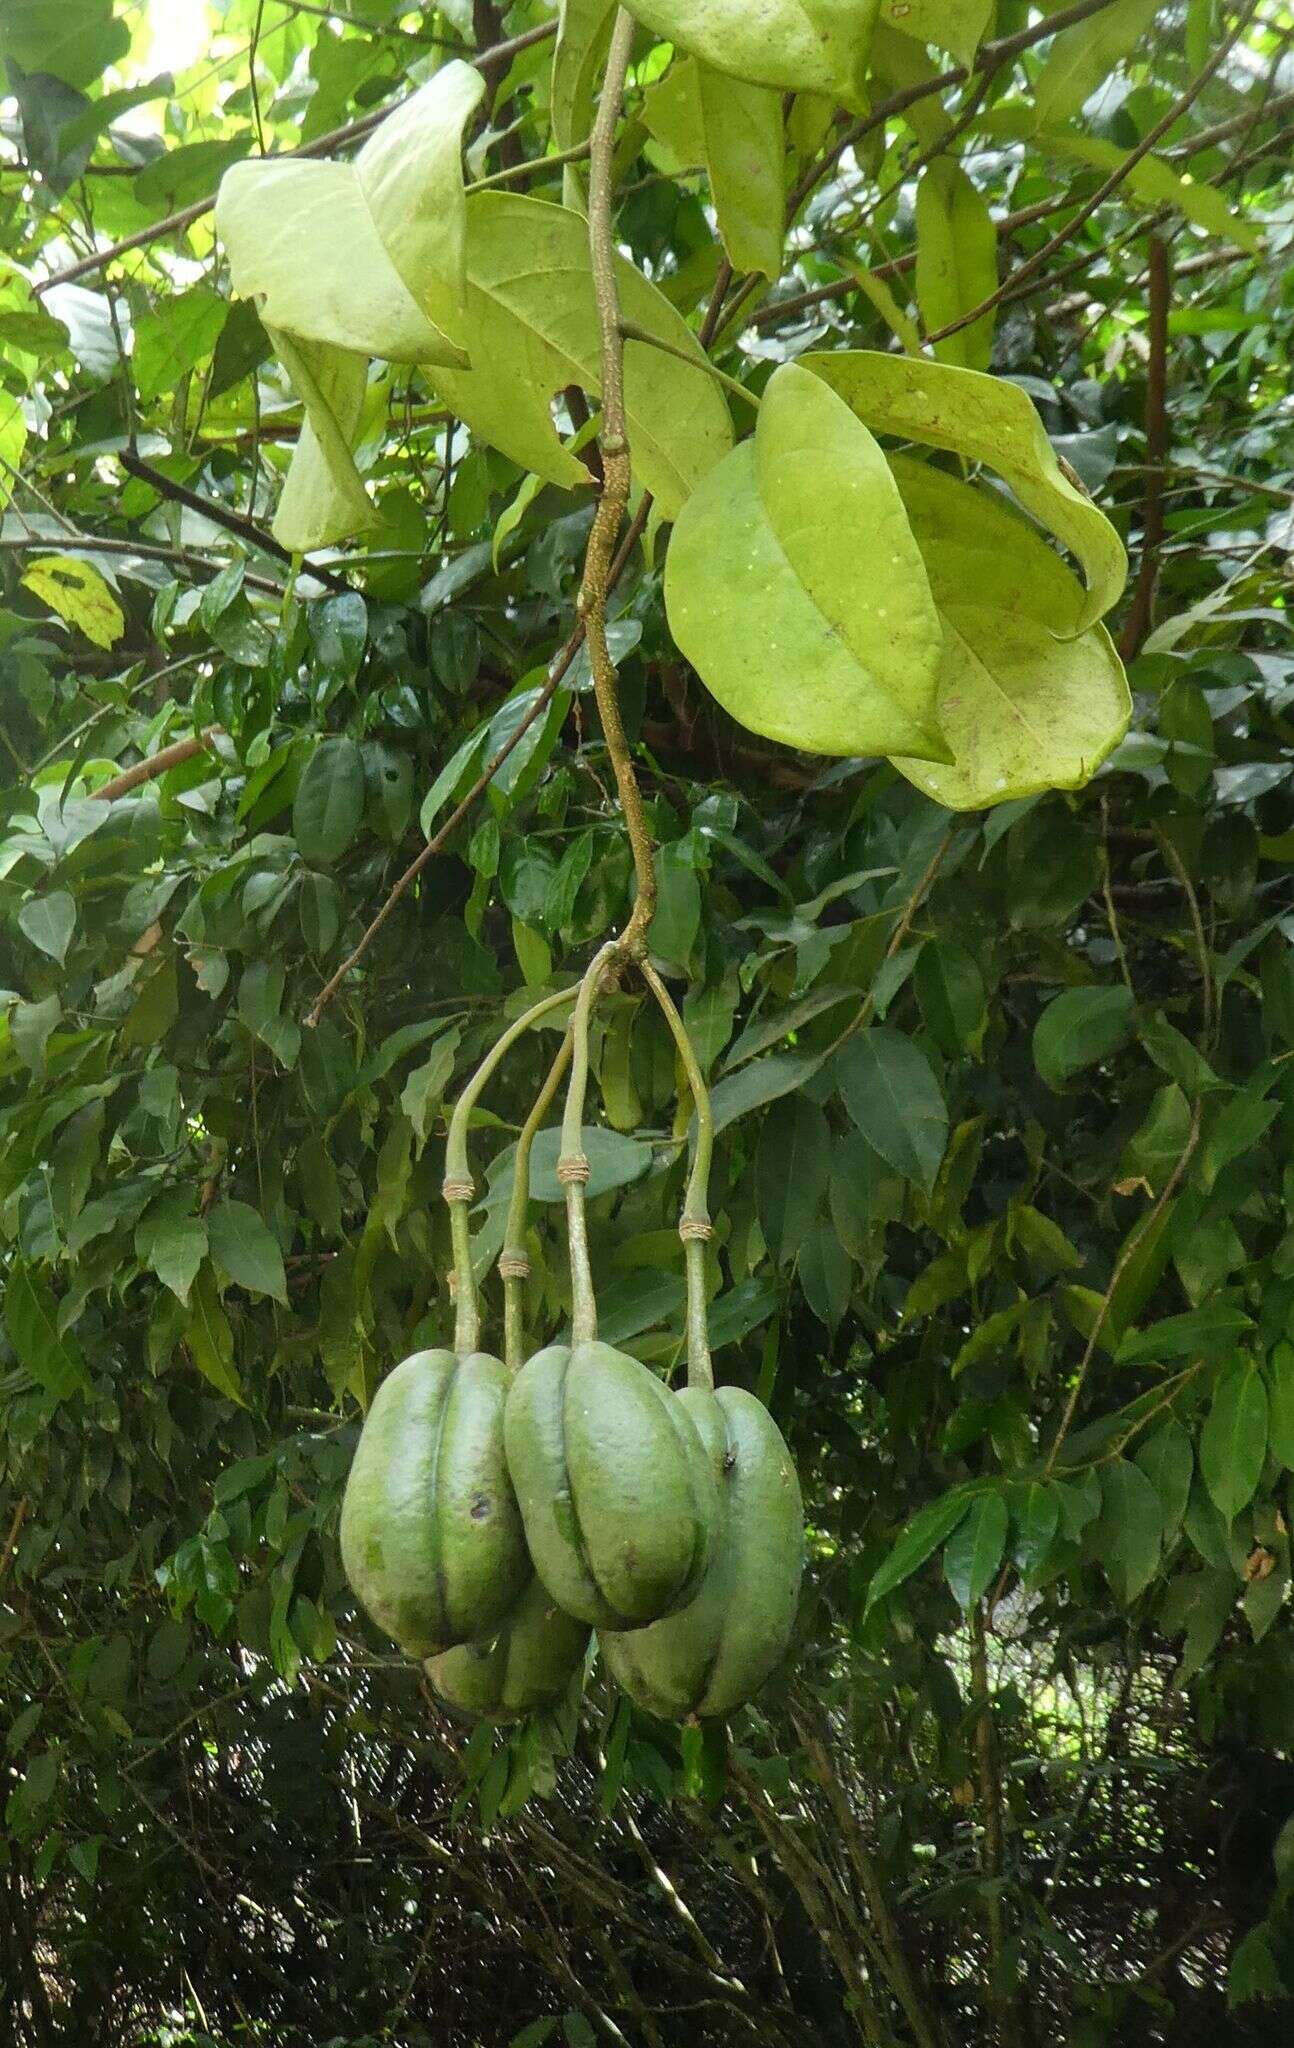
[[528, 1664], [431, 1536], [618, 1496], [717, 1651]]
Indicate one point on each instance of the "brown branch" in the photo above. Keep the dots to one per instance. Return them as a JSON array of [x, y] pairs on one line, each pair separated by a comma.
[[147, 551], [220, 515], [323, 145], [156, 764], [483, 780], [613, 500], [1141, 612], [10, 1542]]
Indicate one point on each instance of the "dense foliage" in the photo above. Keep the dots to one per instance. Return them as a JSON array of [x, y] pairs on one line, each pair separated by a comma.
[[1005, 1223]]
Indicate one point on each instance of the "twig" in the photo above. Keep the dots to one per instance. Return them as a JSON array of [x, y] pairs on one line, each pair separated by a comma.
[[1141, 613], [220, 515], [613, 500], [156, 764], [1000, 1996], [147, 551], [1118, 176], [1178, 866], [1121, 1265], [323, 145], [483, 780]]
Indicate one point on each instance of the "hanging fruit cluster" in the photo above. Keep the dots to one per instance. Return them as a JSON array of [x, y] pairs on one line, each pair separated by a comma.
[[497, 1512]]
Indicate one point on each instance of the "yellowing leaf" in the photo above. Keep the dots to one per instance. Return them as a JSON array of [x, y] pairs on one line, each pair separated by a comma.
[[987, 420], [348, 262], [78, 594], [795, 588], [1022, 710], [956, 262], [532, 328], [736, 130], [795, 45]]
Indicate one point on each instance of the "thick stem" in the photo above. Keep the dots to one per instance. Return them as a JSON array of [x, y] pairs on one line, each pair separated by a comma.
[[573, 1166], [458, 1187], [694, 1224], [613, 501], [514, 1261]]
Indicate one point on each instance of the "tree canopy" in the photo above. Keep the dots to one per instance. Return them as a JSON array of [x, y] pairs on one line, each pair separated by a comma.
[[328, 582]]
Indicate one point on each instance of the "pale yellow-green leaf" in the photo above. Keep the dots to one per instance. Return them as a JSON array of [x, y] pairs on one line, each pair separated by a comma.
[[78, 593], [794, 45], [745, 152], [956, 262], [209, 1338], [1083, 57], [702, 116], [986, 420], [323, 499], [1023, 710], [348, 262], [13, 439], [532, 323], [794, 587], [956, 25], [898, 64], [882, 298], [583, 32], [1156, 182]]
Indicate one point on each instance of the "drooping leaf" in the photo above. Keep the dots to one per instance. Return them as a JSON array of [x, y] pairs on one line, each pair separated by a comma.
[[735, 130], [532, 329], [1233, 1442], [956, 262], [792, 1165], [796, 45], [210, 1340], [49, 922], [973, 1552], [1167, 1457], [31, 1318], [1022, 709], [329, 802], [923, 1535], [795, 588], [350, 261], [1280, 1370], [893, 1098], [950, 990], [1035, 1521], [243, 1243], [985, 419], [1079, 1028], [1127, 1536]]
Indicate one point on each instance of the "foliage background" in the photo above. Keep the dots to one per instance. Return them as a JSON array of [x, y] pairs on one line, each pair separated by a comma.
[[1013, 1261]]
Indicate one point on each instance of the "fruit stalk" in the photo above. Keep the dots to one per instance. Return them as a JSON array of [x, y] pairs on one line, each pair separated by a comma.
[[573, 1166], [694, 1224], [458, 1186], [514, 1261]]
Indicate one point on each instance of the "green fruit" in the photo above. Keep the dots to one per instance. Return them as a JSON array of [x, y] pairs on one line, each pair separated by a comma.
[[719, 1650], [617, 1494], [431, 1539], [529, 1664]]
